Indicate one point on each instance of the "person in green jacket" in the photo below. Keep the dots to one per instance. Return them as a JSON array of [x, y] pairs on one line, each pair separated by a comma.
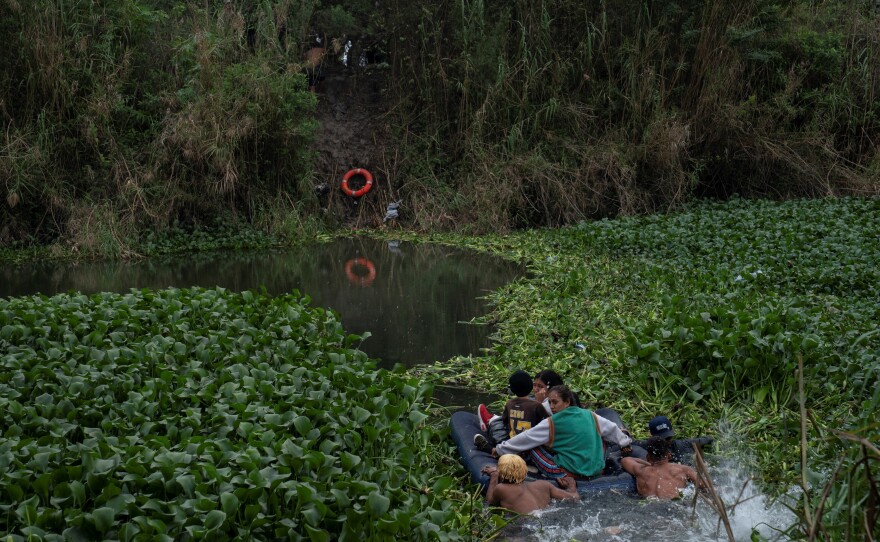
[[569, 443]]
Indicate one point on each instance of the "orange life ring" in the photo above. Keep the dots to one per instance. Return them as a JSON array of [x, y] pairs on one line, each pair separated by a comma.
[[355, 278], [362, 190]]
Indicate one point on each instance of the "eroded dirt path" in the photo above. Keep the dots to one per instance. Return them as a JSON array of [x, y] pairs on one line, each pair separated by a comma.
[[353, 133]]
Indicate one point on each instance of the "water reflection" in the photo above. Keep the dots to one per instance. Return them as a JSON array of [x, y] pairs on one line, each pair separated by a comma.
[[413, 298]]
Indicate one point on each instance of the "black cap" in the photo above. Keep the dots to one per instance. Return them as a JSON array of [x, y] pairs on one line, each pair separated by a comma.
[[661, 427], [520, 383]]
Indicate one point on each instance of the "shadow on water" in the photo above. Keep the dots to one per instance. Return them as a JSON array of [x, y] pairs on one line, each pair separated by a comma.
[[414, 299]]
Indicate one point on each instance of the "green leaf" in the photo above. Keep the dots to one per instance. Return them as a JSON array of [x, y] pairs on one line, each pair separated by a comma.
[[303, 425], [761, 393], [188, 483], [230, 503], [416, 417], [378, 504], [103, 518], [316, 534], [214, 520]]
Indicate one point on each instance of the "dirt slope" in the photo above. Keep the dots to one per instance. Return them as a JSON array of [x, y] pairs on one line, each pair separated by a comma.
[[353, 133]]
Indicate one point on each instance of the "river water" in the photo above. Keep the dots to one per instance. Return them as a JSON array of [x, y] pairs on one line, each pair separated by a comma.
[[414, 299]]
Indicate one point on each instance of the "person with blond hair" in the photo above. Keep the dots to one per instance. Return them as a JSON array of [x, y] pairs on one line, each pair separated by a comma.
[[508, 489]]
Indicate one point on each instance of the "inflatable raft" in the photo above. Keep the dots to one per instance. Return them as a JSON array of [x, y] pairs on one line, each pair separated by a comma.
[[464, 425]]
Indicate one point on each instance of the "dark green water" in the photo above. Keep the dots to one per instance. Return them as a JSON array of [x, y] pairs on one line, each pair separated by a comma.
[[412, 298]]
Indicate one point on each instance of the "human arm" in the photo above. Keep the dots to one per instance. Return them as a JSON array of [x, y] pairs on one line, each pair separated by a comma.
[[633, 465], [528, 439], [567, 490], [691, 475], [611, 432], [492, 494]]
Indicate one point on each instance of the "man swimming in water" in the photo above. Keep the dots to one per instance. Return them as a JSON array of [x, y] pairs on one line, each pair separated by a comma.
[[508, 489], [656, 476]]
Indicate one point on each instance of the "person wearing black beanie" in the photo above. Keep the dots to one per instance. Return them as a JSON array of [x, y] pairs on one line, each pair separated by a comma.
[[520, 383], [520, 413]]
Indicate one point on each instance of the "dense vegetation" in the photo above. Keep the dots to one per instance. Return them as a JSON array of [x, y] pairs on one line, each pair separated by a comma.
[[558, 109], [139, 115], [206, 414], [131, 126], [702, 315]]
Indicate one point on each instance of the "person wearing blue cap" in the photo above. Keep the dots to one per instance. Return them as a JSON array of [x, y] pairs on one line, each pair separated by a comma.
[[660, 426], [679, 449]]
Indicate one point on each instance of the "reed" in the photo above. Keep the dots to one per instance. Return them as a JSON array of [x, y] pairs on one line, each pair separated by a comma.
[[558, 111], [122, 120]]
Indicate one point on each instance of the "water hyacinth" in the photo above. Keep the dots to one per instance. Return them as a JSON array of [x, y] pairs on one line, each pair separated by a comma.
[[201, 413]]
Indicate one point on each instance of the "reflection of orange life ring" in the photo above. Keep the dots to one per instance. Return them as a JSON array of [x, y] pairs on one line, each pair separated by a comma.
[[355, 278], [364, 189]]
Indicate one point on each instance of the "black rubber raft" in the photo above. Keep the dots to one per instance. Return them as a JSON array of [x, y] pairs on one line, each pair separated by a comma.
[[464, 425]]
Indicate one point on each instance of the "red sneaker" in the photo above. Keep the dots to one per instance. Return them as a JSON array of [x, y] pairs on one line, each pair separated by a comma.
[[484, 416]]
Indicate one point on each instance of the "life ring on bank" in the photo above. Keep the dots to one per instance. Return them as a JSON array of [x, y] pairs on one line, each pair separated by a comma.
[[362, 190], [357, 278]]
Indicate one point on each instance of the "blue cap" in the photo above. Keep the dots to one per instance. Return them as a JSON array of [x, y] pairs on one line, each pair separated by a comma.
[[661, 427]]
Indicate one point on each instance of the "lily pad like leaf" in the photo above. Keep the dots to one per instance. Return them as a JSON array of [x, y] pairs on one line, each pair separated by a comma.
[[378, 504], [214, 519], [104, 518]]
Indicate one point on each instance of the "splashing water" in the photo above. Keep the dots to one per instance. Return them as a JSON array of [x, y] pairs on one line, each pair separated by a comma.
[[622, 517]]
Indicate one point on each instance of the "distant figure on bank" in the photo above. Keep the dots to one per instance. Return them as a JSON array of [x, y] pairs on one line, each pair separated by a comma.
[[314, 58], [508, 489], [656, 476]]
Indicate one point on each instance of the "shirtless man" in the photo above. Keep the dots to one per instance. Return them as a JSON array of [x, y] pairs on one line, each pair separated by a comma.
[[313, 59], [507, 489], [657, 477]]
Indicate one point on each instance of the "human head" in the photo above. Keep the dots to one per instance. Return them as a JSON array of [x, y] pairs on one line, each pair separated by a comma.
[[520, 383], [511, 469], [560, 398], [660, 426], [545, 380], [658, 448]]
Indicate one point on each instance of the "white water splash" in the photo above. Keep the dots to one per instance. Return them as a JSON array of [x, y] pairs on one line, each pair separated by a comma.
[[620, 517]]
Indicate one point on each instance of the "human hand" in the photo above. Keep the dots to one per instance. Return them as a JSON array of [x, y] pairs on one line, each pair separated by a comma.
[[490, 470], [567, 483], [626, 451]]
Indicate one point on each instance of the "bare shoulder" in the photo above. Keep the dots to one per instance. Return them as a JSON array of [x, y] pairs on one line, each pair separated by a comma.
[[632, 465]]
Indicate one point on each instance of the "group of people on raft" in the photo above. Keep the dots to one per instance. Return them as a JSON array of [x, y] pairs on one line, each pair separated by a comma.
[[566, 443]]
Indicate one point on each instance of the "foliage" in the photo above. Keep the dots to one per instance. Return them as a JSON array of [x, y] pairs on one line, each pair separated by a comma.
[[125, 117], [701, 314], [189, 414], [551, 112]]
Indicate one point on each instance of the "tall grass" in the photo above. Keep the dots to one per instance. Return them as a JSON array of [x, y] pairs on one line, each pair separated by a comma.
[[127, 116], [556, 111]]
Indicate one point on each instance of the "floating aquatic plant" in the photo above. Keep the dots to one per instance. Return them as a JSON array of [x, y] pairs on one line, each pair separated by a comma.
[[206, 414]]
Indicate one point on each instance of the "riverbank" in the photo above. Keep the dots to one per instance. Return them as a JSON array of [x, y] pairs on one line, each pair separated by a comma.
[[699, 314], [702, 315]]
